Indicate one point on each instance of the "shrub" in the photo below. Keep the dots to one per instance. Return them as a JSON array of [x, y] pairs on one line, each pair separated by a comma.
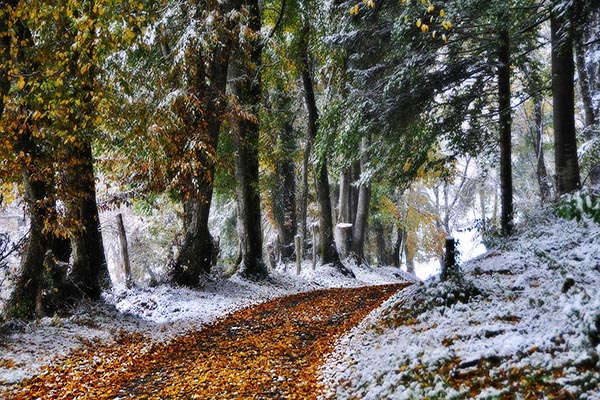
[[579, 204]]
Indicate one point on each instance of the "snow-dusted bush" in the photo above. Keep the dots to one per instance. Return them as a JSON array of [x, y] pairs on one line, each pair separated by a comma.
[[579, 204]]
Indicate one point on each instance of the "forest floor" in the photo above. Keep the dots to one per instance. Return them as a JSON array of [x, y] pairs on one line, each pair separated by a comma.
[[271, 350], [521, 321]]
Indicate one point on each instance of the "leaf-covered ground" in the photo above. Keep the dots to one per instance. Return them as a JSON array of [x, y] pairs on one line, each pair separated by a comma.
[[272, 350]]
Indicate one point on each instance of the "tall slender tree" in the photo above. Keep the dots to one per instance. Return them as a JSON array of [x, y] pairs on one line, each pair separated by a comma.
[[245, 76], [563, 98]]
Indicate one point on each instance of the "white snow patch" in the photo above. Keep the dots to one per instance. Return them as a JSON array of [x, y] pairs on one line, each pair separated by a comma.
[[539, 300]]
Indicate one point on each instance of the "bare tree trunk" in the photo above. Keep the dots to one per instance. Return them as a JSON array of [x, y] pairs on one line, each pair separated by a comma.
[[504, 93], [584, 83], [565, 141], [410, 261], [24, 300], [89, 273], [305, 188], [246, 86], [284, 193], [398, 247], [124, 251], [344, 218], [329, 254], [537, 136], [362, 209]]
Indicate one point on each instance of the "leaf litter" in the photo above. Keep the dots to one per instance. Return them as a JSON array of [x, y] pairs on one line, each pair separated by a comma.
[[271, 350]]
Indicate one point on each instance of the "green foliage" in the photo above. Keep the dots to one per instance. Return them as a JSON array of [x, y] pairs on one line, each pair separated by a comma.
[[580, 204], [590, 159]]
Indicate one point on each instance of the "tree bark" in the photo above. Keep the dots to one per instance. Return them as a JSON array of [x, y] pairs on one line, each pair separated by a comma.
[[199, 251], [362, 209], [89, 273], [124, 251], [537, 136], [398, 247], [565, 140], [504, 108], [284, 194], [305, 188], [329, 253], [344, 233], [584, 84], [245, 76]]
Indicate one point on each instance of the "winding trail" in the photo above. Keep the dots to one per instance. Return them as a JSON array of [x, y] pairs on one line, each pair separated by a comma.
[[268, 351]]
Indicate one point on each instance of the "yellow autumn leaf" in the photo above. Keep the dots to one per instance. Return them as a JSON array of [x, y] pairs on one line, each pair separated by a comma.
[[419, 23], [21, 83], [442, 13], [430, 8], [354, 10], [371, 4], [424, 28]]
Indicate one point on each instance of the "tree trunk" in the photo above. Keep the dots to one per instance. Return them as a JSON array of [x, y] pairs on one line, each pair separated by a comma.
[[24, 300], [329, 254], [284, 194], [198, 252], [89, 273], [362, 210], [537, 136], [584, 85], [305, 188], [565, 141], [344, 219], [246, 86], [126, 265], [410, 261], [504, 93], [398, 247]]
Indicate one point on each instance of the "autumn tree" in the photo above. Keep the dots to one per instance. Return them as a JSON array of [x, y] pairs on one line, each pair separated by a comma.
[[51, 120]]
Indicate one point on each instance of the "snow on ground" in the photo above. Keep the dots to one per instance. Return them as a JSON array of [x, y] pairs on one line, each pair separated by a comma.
[[161, 313], [529, 309]]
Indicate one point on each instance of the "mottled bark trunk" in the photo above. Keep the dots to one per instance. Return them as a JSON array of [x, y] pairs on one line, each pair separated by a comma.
[[504, 109], [565, 140], [245, 75]]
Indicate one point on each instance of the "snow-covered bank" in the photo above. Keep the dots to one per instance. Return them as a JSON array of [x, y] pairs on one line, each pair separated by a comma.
[[161, 313], [529, 328]]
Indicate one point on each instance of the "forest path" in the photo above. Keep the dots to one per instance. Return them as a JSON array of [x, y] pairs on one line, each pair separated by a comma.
[[268, 351]]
